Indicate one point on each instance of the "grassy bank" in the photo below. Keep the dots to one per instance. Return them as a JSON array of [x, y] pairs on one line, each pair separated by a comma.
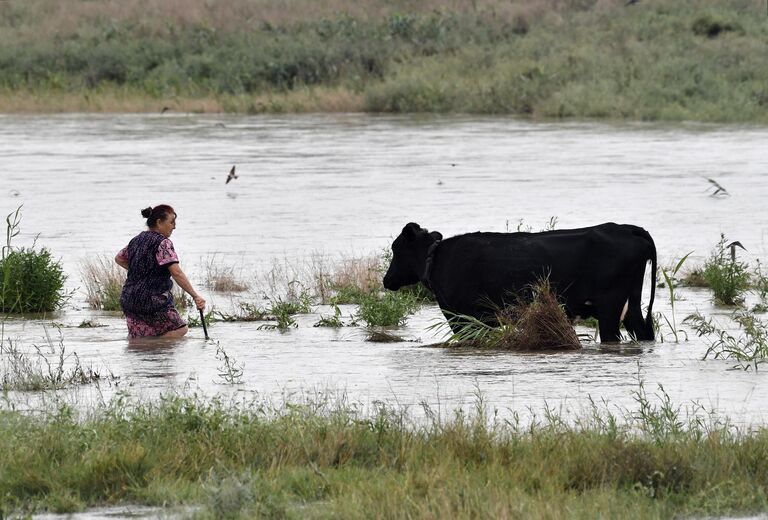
[[325, 461], [657, 60]]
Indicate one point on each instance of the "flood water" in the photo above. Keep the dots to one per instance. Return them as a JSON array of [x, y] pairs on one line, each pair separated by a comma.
[[339, 186]]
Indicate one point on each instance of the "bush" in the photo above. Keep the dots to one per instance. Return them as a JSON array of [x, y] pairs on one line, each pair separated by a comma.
[[390, 309], [31, 281], [727, 277]]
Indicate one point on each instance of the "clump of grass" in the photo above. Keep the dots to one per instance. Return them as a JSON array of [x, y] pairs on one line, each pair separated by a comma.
[[222, 278], [334, 321], [387, 309], [194, 321], [353, 279], [104, 279], [749, 349], [30, 280], [538, 323], [728, 277]]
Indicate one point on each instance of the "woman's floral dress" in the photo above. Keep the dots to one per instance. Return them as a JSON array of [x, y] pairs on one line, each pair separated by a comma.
[[146, 299]]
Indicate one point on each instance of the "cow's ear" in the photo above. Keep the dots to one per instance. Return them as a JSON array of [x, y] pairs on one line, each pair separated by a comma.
[[436, 235], [411, 230]]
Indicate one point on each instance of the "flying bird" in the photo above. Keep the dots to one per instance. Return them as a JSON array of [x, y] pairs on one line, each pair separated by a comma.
[[164, 110], [732, 246], [719, 190], [231, 175]]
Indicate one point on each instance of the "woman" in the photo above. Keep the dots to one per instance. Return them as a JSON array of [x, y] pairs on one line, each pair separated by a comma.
[[151, 261]]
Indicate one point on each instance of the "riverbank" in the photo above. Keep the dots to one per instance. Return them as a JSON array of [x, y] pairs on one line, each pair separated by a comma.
[[324, 460], [655, 60]]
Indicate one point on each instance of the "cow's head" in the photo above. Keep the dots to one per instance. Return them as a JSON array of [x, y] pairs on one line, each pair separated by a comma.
[[409, 254]]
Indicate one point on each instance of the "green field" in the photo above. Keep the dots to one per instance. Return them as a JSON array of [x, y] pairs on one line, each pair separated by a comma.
[[655, 60]]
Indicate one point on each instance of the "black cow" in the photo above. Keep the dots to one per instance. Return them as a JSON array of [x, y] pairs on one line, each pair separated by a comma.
[[595, 271]]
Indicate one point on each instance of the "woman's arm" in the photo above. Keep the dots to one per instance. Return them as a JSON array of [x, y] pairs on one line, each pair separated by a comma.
[[181, 279], [121, 260]]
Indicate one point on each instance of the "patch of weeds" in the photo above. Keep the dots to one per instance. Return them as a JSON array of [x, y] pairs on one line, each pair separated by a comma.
[[537, 324], [30, 280], [33, 370], [749, 349], [103, 280], [760, 286], [247, 312], [353, 279], [229, 497], [727, 277], [671, 282], [193, 320], [222, 278], [334, 321], [387, 309], [282, 314], [230, 371], [694, 278]]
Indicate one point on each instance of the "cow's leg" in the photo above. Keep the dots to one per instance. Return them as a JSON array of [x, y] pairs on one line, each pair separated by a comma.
[[609, 319], [635, 323]]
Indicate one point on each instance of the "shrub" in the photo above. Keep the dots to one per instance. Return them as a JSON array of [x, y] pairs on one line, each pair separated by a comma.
[[727, 277], [388, 309], [31, 281]]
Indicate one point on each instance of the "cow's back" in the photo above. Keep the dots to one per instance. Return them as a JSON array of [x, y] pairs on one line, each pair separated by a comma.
[[476, 271]]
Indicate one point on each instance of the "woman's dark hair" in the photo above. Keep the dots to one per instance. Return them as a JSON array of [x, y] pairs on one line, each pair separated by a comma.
[[160, 212]]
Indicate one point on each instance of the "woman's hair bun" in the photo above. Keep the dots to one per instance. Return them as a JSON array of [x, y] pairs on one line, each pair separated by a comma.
[[146, 212]]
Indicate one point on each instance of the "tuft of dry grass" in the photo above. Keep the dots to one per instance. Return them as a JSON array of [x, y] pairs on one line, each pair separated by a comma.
[[537, 323], [103, 280], [540, 324], [222, 277]]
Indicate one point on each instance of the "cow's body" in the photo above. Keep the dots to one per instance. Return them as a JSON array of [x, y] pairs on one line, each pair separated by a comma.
[[594, 271]]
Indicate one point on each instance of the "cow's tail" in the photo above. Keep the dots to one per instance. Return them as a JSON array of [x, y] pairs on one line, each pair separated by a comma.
[[652, 257]]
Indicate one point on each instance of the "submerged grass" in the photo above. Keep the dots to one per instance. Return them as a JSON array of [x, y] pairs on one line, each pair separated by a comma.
[[41, 368], [325, 460], [657, 60]]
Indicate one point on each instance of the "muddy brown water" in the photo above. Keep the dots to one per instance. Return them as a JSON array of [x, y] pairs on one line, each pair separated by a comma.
[[337, 186]]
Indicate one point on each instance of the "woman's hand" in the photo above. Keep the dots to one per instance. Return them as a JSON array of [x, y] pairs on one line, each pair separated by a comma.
[[199, 302]]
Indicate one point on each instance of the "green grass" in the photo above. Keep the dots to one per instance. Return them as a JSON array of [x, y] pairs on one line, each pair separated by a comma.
[[320, 460], [658, 60], [727, 277], [386, 309]]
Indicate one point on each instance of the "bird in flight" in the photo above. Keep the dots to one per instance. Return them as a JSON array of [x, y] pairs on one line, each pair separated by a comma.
[[231, 175], [719, 190]]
